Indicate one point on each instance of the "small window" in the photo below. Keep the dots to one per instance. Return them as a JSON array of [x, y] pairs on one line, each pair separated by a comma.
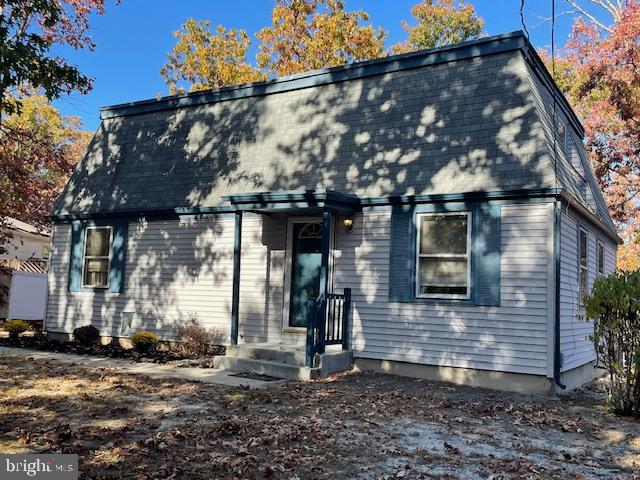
[[562, 133], [96, 257], [600, 257], [443, 256], [584, 265]]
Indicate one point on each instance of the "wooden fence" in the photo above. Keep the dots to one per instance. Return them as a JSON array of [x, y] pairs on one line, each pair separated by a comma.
[[33, 266]]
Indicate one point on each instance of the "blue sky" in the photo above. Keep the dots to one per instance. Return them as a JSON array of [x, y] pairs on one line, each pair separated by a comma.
[[133, 38]]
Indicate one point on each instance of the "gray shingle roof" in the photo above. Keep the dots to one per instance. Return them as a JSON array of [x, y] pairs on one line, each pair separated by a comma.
[[458, 119]]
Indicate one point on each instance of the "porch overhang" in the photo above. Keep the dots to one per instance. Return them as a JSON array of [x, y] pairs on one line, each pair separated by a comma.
[[289, 201]]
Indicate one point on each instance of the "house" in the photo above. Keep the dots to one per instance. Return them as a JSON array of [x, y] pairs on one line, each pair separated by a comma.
[[446, 192], [23, 258], [25, 242]]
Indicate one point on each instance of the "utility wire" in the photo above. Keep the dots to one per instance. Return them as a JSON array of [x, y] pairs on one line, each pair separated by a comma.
[[524, 26], [553, 92]]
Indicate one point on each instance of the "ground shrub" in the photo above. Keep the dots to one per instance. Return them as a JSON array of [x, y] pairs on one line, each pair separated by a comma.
[[86, 335], [195, 341], [614, 307], [144, 341], [15, 328]]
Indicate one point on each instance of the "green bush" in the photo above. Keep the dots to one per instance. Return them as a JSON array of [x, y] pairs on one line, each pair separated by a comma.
[[614, 307], [15, 328], [144, 341], [86, 335]]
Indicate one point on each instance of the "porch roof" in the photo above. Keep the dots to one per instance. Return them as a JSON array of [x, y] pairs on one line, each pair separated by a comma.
[[295, 200]]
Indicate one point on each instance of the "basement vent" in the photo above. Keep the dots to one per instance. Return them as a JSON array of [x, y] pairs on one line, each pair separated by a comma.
[[125, 324]]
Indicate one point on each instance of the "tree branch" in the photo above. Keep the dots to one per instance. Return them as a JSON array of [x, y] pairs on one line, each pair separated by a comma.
[[586, 14]]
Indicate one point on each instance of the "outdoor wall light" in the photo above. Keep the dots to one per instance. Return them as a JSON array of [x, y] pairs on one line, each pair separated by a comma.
[[348, 224]]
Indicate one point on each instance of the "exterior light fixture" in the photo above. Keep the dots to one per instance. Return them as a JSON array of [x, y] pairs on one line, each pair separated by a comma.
[[348, 224]]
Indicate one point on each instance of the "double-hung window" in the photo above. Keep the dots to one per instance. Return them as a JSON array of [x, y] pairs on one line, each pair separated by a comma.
[[600, 257], [443, 267], [96, 257], [583, 267]]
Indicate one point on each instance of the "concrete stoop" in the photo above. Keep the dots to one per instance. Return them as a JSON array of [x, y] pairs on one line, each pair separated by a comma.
[[282, 361]]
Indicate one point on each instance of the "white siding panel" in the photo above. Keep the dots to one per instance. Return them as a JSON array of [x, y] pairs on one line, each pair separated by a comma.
[[575, 346], [510, 338]]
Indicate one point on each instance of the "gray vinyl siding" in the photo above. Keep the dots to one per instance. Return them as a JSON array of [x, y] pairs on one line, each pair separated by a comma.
[[262, 281], [570, 162], [510, 338], [575, 346], [176, 270]]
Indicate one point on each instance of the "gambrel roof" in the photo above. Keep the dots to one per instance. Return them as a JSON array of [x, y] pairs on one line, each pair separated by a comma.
[[471, 117]]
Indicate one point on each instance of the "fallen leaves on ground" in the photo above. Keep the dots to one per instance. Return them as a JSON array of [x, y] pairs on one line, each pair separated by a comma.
[[365, 426]]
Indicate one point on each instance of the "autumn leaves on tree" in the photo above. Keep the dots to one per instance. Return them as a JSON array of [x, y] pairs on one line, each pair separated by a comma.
[[599, 72], [202, 59], [305, 35], [38, 145]]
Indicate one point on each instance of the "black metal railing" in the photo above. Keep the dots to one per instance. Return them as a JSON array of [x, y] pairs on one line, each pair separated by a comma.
[[329, 323]]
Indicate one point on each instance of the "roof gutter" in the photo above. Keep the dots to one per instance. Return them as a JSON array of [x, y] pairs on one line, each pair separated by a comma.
[[606, 229]]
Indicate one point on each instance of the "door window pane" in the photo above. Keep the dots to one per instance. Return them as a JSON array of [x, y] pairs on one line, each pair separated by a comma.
[[305, 270]]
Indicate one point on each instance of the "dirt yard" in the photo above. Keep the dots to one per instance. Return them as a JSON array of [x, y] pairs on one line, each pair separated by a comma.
[[364, 426]]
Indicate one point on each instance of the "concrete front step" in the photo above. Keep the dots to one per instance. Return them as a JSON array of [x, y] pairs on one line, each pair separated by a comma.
[[270, 353], [326, 364]]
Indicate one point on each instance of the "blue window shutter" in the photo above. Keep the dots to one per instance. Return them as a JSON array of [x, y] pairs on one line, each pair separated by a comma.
[[76, 254], [119, 234], [486, 254], [402, 255]]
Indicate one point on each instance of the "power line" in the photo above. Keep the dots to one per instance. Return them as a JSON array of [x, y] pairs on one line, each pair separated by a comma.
[[524, 26], [553, 74]]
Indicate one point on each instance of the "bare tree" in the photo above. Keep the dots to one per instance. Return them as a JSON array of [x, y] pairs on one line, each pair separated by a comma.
[[590, 8]]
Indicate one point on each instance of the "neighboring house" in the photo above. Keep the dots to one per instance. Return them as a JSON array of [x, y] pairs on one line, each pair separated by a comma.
[[25, 242], [435, 185], [23, 264]]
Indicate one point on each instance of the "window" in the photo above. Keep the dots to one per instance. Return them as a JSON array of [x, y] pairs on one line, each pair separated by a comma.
[[583, 265], [562, 133], [443, 255], [96, 257], [600, 257]]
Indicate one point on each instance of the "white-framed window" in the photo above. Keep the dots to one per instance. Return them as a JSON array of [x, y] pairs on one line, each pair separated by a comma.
[[583, 265], [600, 252], [442, 260], [97, 253]]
